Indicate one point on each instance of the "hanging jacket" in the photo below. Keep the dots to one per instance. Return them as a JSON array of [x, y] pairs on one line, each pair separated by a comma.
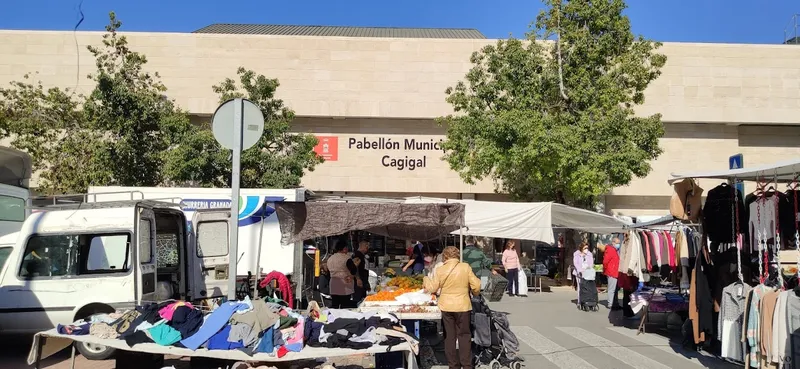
[[283, 285], [718, 213], [649, 257]]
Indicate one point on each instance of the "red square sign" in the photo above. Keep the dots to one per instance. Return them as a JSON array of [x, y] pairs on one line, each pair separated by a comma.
[[328, 147]]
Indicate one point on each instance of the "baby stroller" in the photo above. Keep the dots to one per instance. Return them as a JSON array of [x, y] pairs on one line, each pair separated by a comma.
[[588, 291], [493, 344]]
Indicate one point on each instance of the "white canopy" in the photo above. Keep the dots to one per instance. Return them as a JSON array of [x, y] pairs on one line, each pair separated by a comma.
[[526, 220], [785, 171]]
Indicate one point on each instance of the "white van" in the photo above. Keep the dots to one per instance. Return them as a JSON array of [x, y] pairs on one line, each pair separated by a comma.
[[69, 262]]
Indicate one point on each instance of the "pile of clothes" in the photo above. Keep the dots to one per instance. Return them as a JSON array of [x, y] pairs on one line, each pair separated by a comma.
[[252, 326]]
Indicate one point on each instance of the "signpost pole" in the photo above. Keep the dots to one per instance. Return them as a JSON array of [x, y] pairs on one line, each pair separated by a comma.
[[244, 115], [238, 123]]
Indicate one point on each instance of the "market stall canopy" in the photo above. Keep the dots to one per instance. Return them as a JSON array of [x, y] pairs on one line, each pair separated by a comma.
[[15, 167], [526, 220], [784, 171], [300, 221]]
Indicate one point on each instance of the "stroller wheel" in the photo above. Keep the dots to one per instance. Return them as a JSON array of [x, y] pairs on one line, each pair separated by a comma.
[[494, 364], [516, 365]]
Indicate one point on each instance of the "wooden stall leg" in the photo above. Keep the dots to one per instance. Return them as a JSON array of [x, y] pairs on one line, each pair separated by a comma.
[[39, 346], [643, 323], [411, 360], [72, 358]]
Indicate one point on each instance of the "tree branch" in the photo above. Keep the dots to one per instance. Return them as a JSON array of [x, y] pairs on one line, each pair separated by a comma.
[[561, 88]]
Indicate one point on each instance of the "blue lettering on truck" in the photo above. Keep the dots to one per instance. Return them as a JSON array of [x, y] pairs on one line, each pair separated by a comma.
[[252, 208]]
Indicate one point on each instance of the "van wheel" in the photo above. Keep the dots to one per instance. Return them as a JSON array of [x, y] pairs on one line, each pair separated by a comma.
[[94, 351]]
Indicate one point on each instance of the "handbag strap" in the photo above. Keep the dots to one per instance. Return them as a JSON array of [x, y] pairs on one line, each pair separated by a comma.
[[448, 276]]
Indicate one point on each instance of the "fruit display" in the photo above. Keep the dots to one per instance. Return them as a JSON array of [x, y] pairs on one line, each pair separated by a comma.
[[414, 282], [389, 295]]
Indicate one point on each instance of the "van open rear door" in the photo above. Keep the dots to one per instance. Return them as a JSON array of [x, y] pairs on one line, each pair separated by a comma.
[[210, 255], [146, 258]]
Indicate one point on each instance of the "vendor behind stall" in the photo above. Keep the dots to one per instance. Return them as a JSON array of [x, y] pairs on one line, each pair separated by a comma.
[[417, 262]]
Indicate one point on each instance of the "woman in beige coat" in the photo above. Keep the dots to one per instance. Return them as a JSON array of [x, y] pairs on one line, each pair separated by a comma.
[[454, 281]]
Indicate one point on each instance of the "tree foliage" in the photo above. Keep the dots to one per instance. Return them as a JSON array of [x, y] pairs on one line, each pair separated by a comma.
[[127, 131], [552, 117], [278, 160], [116, 135]]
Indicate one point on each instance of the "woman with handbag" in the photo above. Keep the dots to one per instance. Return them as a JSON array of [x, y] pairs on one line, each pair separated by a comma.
[[454, 281]]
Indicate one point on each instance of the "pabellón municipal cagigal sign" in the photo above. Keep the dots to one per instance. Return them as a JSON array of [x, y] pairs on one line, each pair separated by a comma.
[[398, 161]]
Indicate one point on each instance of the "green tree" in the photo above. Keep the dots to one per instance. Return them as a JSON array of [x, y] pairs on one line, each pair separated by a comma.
[[278, 160], [551, 118], [117, 135], [49, 125]]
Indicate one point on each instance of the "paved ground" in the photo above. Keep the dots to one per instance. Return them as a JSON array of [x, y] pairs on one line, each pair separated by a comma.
[[551, 331]]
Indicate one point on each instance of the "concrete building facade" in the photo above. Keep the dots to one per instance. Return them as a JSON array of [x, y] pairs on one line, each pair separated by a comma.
[[372, 101]]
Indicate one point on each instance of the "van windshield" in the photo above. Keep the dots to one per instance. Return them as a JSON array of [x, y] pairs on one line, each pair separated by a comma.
[[75, 254]]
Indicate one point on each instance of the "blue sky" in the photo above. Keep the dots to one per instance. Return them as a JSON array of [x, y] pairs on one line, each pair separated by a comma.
[[733, 21]]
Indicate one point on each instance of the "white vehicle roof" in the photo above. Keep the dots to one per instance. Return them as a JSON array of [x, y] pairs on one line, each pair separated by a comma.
[[87, 217]]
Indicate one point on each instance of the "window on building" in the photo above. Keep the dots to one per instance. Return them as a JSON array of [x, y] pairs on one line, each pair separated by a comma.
[[50, 256], [212, 239], [12, 209]]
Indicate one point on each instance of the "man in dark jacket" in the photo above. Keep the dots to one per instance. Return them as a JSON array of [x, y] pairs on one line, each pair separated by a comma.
[[360, 259], [476, 258]]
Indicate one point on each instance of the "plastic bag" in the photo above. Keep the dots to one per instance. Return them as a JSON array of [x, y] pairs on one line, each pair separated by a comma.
[[414, 298]]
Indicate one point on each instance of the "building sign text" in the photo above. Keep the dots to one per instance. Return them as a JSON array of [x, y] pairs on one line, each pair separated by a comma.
[[405, 162]]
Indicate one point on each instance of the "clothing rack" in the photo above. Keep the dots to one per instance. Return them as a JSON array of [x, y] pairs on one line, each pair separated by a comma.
[[667, 219]]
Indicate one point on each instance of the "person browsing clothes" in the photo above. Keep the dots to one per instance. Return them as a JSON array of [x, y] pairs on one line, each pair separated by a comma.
[[455, 281], [343, 274], [511, 265], [611, 271]]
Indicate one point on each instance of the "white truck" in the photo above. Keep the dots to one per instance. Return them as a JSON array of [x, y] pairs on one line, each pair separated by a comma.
[[71, 261], [15, 174]]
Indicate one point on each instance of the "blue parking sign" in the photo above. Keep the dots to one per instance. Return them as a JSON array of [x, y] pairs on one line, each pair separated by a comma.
[[737, 162]]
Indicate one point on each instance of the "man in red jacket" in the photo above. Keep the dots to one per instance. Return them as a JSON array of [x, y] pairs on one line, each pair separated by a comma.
[[611, 270]]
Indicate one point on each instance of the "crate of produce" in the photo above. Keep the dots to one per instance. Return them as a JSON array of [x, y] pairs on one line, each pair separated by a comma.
[[495, 288]]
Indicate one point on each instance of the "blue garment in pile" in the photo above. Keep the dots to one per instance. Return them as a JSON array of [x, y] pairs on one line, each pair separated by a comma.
[[213, 324], [220, 341]]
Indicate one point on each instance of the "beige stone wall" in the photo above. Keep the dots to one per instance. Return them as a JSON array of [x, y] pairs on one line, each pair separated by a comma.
[[717, 99], [406, 78]]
